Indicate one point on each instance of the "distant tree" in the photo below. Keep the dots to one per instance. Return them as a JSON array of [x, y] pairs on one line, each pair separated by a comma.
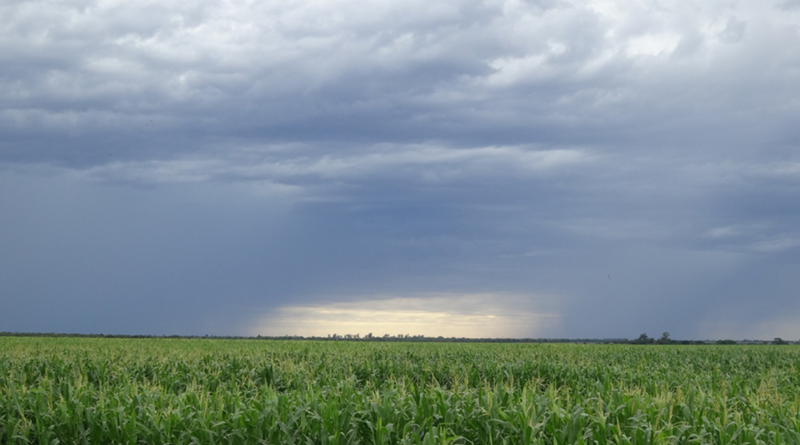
[[664, 339], [726, 342], [643, 340], [779, 341]]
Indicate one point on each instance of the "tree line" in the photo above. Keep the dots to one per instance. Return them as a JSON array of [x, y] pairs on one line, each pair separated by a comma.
[[643, 339]]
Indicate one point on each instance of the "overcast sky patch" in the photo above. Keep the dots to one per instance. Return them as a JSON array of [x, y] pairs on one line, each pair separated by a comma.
[[196, 168]]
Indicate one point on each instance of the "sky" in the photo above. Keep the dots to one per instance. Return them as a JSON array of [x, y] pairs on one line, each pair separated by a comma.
[[542, 168]]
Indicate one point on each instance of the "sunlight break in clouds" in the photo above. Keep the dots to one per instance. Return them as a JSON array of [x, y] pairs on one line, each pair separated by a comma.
[[475, 316]]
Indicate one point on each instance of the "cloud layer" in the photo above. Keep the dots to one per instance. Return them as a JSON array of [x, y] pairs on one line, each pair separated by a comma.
[[194, 168]]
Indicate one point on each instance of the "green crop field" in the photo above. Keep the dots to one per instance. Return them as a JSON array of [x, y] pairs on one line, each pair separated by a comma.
[[176, 391]]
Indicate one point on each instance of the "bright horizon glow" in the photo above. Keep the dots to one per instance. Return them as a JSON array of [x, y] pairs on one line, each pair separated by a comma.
[[475, 316]]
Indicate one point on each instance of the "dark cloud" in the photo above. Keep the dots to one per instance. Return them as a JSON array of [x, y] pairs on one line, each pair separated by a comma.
[[191, 168]]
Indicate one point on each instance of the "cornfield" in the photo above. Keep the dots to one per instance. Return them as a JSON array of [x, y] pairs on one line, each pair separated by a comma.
[[178, 391]]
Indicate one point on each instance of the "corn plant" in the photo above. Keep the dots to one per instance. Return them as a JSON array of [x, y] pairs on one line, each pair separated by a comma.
[[179, 391]]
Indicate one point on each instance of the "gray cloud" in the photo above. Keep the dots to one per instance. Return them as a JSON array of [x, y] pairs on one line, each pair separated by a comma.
[[485, 73], [194, 168]]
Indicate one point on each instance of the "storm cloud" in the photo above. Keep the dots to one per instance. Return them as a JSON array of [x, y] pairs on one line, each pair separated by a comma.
[[608, 167]]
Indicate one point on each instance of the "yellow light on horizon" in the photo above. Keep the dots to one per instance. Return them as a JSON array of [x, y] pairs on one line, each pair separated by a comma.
[[475, 315]]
